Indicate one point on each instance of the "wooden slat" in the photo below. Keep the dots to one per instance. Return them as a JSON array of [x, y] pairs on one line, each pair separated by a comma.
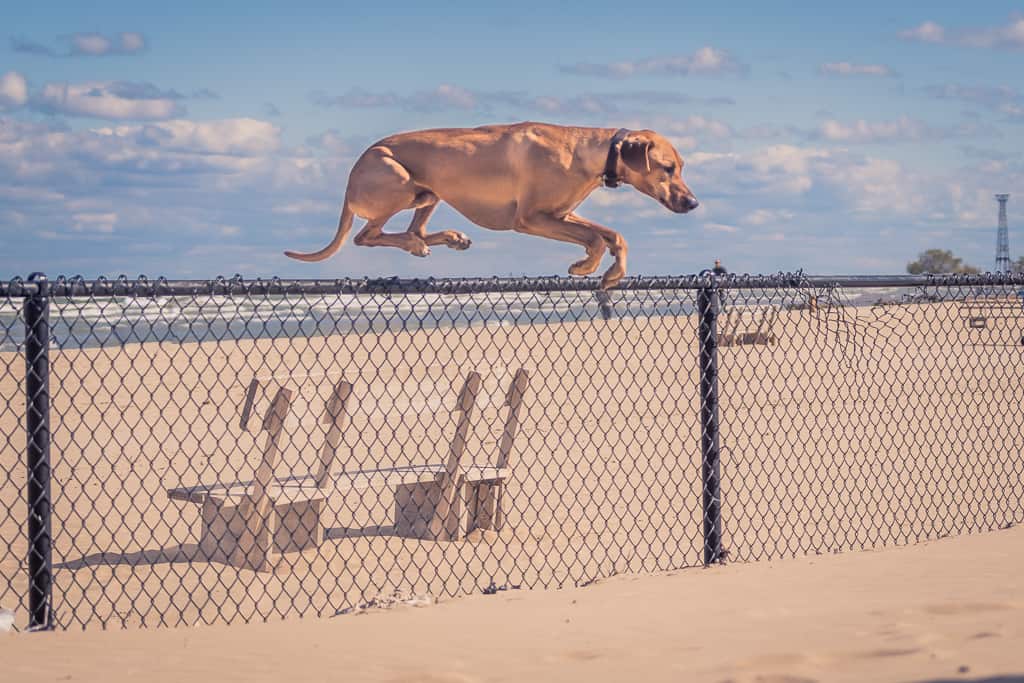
[[304, 488], [254, 542], [514, 401], [336, 417], [467, 399], [488, 504], [273, 424], [250, 398]]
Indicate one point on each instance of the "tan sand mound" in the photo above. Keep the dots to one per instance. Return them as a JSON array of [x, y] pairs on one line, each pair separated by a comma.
[[945, 610]]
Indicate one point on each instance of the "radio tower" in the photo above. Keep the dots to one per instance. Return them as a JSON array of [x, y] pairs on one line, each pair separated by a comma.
[[1003, 237]]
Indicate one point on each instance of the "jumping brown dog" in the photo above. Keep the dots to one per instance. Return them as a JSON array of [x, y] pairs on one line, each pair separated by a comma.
[[527, 177]]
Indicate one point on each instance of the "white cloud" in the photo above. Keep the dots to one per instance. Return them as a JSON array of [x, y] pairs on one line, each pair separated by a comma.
[[332, 142], [987, 95], [94, 222], [449, 97], [760, 217], [707, 61], [85, 45], [861, 130], [926, 32], [304, 206], [30, 194], [850, 69], [107, 100], [720, 227], [242, 137], [782, 169], [443, 97], [695, 125], [789, 181], [1014, 112], [13, 90], [356, 97], [880, 187], [1008, 36], [96, 45], [1001, 99], [132, 42], [903, 129]]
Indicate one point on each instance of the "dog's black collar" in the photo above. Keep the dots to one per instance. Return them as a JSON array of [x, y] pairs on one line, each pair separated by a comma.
[[610, 177]]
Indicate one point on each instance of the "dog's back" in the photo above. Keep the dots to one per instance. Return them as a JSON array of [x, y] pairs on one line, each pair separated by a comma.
[[498, 157]]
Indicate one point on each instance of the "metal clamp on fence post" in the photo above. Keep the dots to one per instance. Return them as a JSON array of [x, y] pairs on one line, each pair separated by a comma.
[[37, 423], [707, 309]]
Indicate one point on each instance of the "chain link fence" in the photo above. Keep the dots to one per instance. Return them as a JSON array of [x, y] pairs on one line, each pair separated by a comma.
[[191, 452]]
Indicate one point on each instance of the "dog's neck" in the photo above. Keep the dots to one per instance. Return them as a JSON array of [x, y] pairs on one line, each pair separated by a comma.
[[599, 150], [611, 175]]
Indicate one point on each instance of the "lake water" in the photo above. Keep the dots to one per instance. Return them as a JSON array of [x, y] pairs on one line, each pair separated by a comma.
[[92, 322]]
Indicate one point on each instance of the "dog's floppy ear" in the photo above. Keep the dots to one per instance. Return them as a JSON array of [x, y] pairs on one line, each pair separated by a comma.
[[636, 150]]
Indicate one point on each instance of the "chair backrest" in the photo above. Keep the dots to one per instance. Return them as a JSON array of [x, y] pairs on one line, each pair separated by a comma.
[[336, 418], [273, 425], [514, 401], [464, 407]]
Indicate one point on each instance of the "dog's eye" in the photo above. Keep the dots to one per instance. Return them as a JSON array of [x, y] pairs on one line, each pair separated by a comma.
[[670, 169]]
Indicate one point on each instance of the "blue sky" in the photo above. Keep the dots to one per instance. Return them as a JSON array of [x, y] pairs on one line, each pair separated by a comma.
[[191, 140]]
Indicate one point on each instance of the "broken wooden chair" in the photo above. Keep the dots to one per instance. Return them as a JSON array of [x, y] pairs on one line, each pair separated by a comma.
[[248, 522]]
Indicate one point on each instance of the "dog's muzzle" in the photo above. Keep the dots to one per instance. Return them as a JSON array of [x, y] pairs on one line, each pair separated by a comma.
[[686, 204]]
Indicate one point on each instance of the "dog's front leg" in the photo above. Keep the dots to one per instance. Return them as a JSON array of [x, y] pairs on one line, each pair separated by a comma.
[[616, 245], [545, 225]]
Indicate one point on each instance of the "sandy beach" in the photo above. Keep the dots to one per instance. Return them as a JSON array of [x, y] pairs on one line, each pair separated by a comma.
[[858, 428], [948, 610]]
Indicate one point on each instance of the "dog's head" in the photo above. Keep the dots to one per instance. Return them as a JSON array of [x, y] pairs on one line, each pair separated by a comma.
[[653, 166]]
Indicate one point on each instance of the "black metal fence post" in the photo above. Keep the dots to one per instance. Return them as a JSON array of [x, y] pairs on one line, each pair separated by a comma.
[[707, 308], [37, 424]]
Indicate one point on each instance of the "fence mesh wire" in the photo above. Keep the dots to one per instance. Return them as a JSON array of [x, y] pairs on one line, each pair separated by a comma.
[[226, 451], [847, 427], [148, 395], [13, 471]]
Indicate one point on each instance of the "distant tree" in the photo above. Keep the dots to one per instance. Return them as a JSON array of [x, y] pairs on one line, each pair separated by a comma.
[[939, 261], [1018, 265]]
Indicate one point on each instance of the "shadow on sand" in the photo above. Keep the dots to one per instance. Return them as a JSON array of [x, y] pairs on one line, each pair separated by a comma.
[[191, 552]]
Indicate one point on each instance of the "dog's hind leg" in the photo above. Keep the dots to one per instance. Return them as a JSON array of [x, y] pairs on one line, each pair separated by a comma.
[[382, 188], [425, 204], [372, 235], [544, 225]]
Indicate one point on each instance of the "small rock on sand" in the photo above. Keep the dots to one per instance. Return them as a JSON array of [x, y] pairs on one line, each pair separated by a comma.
[[6, 620]]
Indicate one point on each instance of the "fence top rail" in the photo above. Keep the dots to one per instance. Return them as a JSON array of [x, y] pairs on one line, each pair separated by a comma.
[[143, 286], [18, 288]]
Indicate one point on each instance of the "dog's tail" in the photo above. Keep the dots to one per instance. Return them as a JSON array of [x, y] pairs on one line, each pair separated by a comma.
[[344, 227]]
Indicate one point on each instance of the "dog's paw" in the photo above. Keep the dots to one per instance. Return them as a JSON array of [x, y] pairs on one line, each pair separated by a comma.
[[460, 242], [420, 250], [612, 278], [584, 267]]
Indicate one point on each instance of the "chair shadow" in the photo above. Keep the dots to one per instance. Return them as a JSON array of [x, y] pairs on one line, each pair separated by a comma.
[[183, 553], [186, 553], [360, 531]]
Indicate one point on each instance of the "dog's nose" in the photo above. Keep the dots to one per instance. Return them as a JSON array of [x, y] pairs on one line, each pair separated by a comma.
[[691, 203]]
